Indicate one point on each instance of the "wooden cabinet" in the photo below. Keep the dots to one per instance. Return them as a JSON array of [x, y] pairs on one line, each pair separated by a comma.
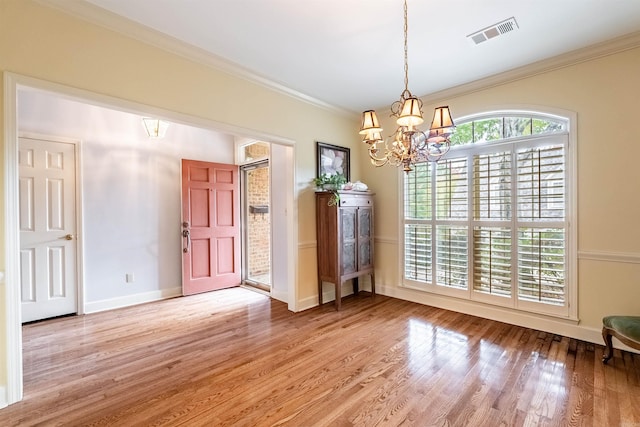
[[344, 233]]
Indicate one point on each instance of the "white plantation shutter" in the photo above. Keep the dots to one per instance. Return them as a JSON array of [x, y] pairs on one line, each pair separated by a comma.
[[492, 260], [417, 192], [541, 199], [541, 183], [492, 186], [452, 256], [452, 192], [541, 265], [418, 257], [452, 195], [492, 244]]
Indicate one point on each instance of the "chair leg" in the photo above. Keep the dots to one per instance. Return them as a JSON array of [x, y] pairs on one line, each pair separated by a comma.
[[608, 340]]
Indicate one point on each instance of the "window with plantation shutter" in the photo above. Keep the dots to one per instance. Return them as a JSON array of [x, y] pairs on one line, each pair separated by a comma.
[[489, 222]]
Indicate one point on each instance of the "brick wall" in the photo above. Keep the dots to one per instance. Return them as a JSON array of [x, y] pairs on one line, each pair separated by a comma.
[[256, 150], [258, 224]]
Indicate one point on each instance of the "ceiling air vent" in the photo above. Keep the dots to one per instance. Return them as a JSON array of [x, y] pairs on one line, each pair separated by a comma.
[[494, 30]]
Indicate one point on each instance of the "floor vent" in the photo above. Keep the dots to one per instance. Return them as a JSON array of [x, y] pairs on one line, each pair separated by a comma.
[[494, 30]]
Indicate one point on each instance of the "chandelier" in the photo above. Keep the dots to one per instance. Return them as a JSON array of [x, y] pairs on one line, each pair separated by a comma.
[[409, 145]]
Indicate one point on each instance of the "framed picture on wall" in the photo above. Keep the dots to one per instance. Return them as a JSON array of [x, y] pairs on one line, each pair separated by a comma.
[[332, 160]]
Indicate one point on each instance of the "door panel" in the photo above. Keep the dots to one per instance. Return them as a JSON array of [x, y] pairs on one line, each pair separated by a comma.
[[211, 226], [226, 260], [348, 229], [47, 229], [199, 207], [364, 238], [200, 258]]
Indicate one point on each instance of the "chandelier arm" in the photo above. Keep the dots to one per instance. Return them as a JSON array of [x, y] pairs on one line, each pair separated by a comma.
[[377, 161], [374, 150]]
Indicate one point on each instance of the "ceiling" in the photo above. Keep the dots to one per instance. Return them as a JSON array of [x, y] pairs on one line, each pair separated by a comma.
[[349, 53]]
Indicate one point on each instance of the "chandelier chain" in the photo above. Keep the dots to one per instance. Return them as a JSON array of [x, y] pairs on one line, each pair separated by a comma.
[[406, 55]]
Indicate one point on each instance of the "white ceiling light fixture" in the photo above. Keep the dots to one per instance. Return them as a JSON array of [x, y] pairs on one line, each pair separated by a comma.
[[409, 145], [155, 128]]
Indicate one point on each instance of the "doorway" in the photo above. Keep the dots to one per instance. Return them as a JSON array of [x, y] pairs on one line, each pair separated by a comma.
[[282, 160], [256, 225]]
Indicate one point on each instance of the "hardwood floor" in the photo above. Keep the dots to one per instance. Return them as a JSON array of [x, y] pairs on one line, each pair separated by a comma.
[[235, 357]]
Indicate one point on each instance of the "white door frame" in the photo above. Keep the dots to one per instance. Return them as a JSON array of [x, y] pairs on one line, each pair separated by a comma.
[[9, 283], [79, 212]]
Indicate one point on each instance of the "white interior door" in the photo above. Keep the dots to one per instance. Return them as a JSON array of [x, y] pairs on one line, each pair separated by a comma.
[[47, 215]]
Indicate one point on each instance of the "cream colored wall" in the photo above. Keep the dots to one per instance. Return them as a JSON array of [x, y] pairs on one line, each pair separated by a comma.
[[3, 320], [604, 93], [46, 44], [42, 43]]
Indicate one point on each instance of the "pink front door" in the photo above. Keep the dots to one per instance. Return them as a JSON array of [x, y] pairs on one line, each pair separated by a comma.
[[210, 227]]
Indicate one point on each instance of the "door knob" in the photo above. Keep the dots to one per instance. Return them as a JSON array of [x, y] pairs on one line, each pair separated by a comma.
[[68, 237]]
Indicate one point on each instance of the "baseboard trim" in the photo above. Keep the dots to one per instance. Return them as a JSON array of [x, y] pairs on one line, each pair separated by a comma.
[[279, 295], [4, 402], [567, 328], [327, 296], [129, 300]]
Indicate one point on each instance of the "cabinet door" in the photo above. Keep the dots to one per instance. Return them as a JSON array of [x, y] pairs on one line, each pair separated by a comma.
[[365, 238], [348, 219]]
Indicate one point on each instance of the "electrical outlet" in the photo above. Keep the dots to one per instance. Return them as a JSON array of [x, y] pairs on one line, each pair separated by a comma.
[[129, 278]]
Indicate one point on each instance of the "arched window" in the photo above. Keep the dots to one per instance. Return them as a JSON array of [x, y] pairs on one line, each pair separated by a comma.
[[490, 221]]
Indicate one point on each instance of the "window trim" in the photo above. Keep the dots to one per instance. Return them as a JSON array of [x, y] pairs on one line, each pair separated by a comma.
[[569, 137]]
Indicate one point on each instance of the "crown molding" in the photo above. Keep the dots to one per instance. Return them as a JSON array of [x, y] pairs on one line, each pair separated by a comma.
[[111, 21], [589, 53], [93, 14]]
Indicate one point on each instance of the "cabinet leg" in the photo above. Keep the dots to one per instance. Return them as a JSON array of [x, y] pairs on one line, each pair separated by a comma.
[[319, 291], [373, 284], [356, 288], [338, 295]]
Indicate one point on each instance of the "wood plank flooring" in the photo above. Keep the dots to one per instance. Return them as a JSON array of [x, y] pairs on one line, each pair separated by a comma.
[[237, 358]]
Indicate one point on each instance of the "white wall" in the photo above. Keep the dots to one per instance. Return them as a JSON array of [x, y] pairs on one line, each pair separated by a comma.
[[130, 193]]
